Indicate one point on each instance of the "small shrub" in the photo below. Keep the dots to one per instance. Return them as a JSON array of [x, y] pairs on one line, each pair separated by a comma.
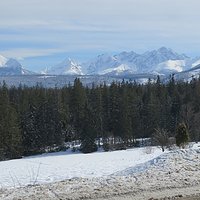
[[106, 147], [136, 144], [121, 146], [88, 146], [63, 148], [74, 149]]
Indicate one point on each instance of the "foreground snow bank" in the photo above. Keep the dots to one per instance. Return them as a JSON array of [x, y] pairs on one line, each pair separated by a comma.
[[53, 167], [176, 171]]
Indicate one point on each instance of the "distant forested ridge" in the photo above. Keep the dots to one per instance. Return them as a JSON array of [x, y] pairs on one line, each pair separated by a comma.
[[35, 118]]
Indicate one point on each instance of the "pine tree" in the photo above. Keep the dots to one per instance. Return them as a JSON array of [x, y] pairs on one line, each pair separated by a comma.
[[89, 132], [114, 108], [125, 114], [10, 133], [48, 125], [182, 136], [30, 134], [77, 104]]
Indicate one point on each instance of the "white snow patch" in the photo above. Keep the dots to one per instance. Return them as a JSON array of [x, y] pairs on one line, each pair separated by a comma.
[[67, 67], [3, 60], [117, 70], [196, 63], [53, 167], [171, 65], [169, 174]]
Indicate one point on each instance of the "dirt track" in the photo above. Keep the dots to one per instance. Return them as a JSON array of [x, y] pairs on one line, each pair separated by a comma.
[[188, 193], [63, 191]]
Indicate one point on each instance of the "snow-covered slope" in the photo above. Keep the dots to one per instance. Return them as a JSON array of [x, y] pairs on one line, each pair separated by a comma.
[[12, 67], [162, 60], [100, 64], [196, 62], [172, 175], [171, 66], [148, 163], [122, 69], [3, 61], [67, 67], [66, 165]]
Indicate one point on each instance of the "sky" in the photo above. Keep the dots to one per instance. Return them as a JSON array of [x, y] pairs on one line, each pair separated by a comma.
[[42, 33]]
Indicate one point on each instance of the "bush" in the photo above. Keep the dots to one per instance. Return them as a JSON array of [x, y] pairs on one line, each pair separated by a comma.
[[161, 138], [74, 149], [106, 147], [88, 146], [114, 147], [182, 135], [120, 146]]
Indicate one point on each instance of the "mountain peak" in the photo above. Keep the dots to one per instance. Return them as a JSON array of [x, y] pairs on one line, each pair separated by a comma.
[[3, 60], [11, 67], [13, 63], [162, 59], [68, 60], [67, 67], [164, 49]]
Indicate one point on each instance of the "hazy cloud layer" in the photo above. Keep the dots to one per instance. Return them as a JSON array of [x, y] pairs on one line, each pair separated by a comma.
[[32, 28]]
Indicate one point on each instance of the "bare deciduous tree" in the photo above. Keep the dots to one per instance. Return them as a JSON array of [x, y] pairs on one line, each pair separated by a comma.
[[161, 138]]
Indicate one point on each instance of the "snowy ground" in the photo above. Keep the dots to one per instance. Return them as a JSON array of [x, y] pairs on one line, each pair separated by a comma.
[[53, 167], [139, 172]]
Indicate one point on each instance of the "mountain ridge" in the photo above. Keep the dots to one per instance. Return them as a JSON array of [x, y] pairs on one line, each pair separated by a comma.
[[10, 67], [161, 61]]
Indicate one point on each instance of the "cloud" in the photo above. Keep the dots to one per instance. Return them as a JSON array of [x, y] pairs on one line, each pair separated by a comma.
[[31, 28], [22, 53]]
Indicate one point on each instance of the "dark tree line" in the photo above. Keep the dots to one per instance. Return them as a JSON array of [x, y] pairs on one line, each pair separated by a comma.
[[34, 118]]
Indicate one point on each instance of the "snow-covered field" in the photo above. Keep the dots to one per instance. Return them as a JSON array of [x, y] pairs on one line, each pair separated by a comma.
[[53, 167], [140, 172]]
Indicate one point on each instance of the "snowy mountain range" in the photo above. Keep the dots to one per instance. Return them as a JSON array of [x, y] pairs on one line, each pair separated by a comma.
[[12, 67], [67, 67], [162, 61]]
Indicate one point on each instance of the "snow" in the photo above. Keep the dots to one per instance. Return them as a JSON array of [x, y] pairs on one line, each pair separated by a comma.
[[3, 60], [138, 63], [65, 165], [59, 166], [197, 62], [171, 66], [12, 67], [161, 61], [125, 62], [166, 162], [138, 172], [67, 67], [100, 63], [117, 71]]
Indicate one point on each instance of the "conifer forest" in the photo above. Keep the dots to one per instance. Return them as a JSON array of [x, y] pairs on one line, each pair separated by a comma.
[[35, 118]]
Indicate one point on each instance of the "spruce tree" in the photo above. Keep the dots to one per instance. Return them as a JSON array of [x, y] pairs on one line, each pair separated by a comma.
[[10, 140], [77, 104], [182, 136], [30, 134], [89, 132]]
